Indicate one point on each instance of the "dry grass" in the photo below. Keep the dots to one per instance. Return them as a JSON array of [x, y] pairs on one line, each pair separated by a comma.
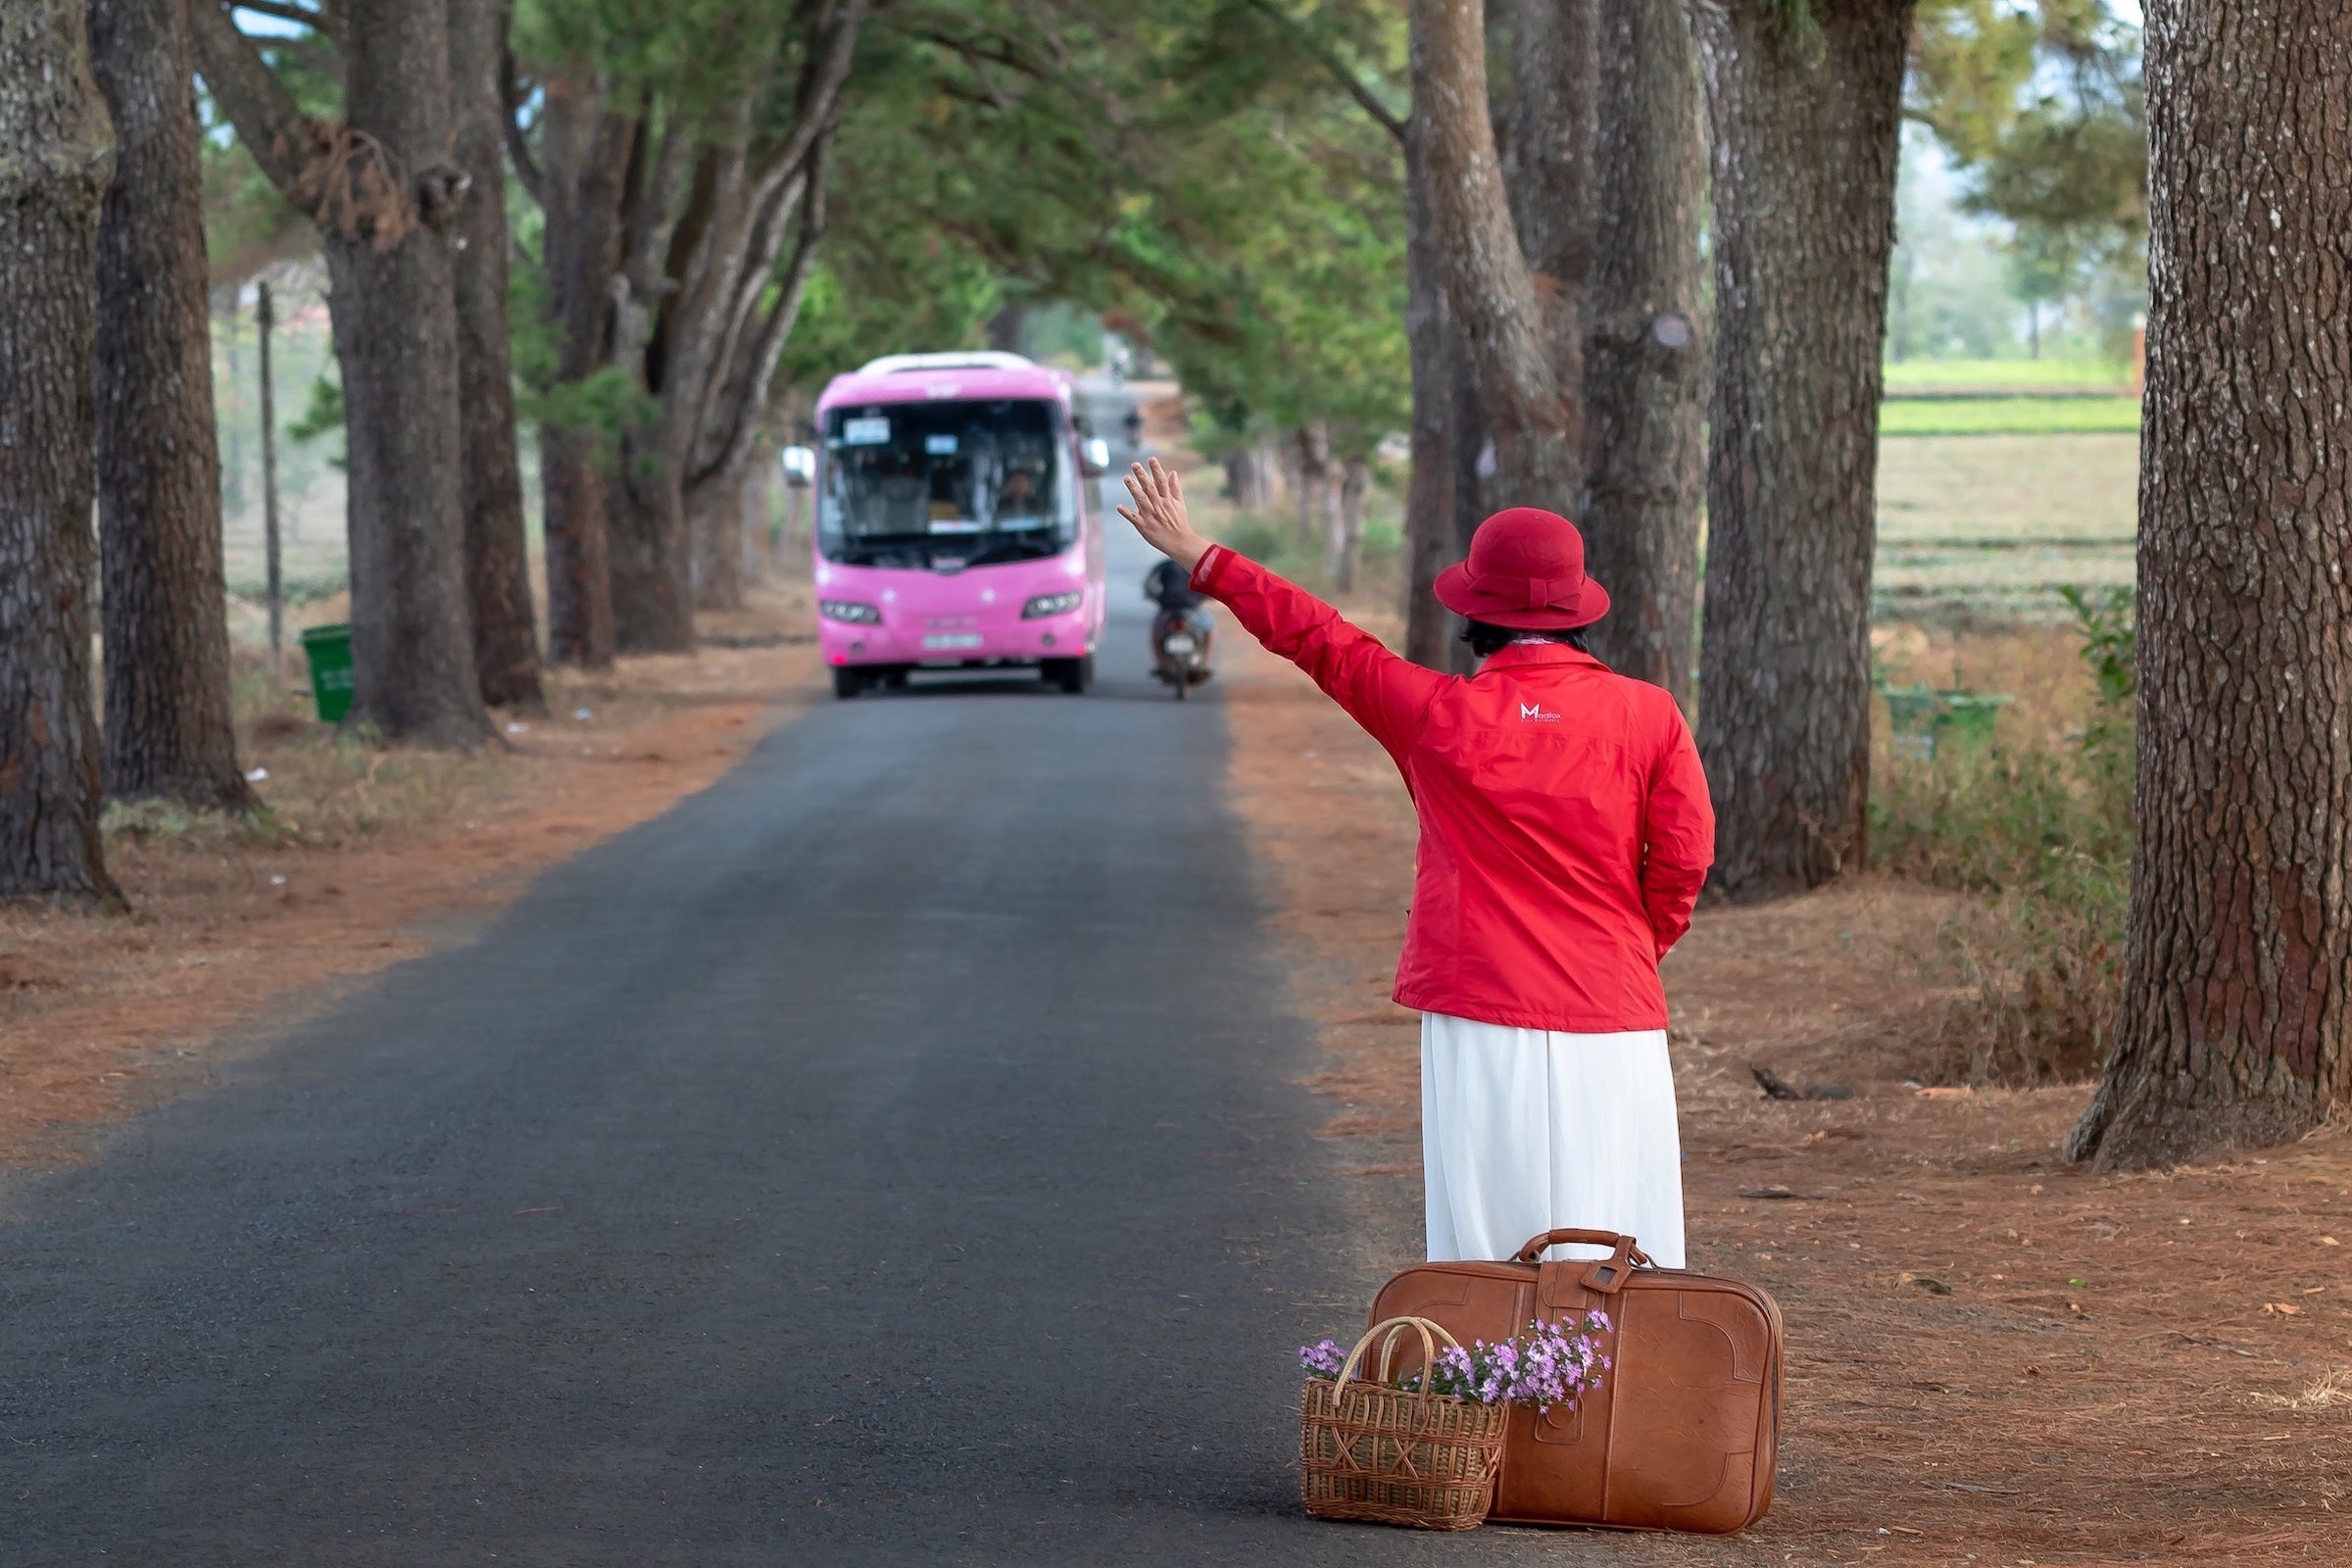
[[2331, 1389], [1978, 526]]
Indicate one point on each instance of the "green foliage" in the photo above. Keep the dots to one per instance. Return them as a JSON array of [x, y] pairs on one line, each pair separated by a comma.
[[2042, 106], [1191, 173], [2108, 626], [321, 416], [602, 403]]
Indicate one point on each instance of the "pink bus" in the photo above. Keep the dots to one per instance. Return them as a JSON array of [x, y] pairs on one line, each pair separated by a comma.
[[953, 530]]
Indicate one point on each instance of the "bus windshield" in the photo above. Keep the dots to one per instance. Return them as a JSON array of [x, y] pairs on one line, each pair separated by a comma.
[[945, 485]]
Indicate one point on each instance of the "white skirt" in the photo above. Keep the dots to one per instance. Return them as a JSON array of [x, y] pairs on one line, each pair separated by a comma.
[[1525, 1130]]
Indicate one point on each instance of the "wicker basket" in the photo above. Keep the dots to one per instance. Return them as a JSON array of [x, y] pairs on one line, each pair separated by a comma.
[[1367, 1450]]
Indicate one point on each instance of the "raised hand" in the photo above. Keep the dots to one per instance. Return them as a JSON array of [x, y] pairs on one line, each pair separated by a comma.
[[1159, 514]]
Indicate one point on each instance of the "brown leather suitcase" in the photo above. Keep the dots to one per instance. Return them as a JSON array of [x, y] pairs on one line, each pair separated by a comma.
[[1683, 1432]]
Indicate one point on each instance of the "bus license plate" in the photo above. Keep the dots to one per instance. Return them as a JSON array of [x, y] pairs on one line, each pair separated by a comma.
[[953, 638]]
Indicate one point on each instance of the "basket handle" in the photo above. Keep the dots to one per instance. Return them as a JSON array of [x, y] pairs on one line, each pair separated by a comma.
[[1395, 1326]]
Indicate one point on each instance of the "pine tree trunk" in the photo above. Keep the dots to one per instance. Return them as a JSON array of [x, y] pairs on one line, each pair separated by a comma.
[[573, 478], [56, 160], [1645, 370], [498, 561], [2237, 976], [396, 340], [755, 491], [715, 515], [1006, 328], [1269, 471], [1240, 480], [169, 731], [652, 563], [1805, 145], [1549, 131], [697, 283], [1429, 527], [1348, 526], [1313, 443], [1492, 298], [1474, 479], [584, 151], [383, 194]]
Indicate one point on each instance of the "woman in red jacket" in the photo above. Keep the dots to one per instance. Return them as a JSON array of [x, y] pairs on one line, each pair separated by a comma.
[[1565, 832]]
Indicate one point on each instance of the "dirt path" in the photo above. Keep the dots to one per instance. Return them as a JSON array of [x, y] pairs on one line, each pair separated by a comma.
[[375, 857], [1992, 1358]]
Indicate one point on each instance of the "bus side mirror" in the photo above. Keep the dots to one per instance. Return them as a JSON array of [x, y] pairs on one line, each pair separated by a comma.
[[800, 466], [1094, 457]]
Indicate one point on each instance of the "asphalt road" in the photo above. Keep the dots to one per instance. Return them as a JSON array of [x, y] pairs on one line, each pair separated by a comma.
[[892, 1154]]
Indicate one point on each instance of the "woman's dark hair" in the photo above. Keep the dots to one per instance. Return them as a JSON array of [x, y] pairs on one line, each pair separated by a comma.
[[1486, 640]]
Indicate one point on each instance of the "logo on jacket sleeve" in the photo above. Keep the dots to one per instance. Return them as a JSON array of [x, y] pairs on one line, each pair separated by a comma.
[[1534, 714]]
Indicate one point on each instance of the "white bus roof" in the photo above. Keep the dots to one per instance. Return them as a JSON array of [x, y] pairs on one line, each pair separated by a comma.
[[962, 360]]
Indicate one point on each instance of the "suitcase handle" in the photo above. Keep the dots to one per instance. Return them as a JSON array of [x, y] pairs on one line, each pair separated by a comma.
[[1533, 1250]]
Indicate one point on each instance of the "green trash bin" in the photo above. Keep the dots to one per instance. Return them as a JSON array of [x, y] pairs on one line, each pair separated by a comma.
[[328, 648], [1928, 723]]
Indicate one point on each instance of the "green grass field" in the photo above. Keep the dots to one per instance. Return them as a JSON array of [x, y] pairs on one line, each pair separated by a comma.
[[2003, 375], [2007, 416]]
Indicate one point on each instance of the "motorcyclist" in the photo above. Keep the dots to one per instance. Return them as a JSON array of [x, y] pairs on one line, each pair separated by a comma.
[[1170, 587]]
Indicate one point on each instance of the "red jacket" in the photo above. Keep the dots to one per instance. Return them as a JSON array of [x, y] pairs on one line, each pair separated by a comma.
[[1565, 828]]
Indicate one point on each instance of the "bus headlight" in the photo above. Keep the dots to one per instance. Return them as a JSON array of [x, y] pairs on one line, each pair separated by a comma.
[[850, 611], [1060, 604]]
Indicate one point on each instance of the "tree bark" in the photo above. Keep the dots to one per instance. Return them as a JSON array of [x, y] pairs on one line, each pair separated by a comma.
[[498, 561], [1345, 561], [383, 197], [1006, 328], [692, 325], [646, 544], [1805, 143], [2235, 1023], [579, 181], [1311, 442], [396, 340], [1473, 479], [1645, 368], [56, 160], [1549, 133], [757, 490], [714, 514], [168, 728], [1429, 521], [1491, 295], [735, 403]]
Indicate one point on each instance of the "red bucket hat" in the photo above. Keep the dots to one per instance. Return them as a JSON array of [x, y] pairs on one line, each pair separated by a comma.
[[1526, 571]]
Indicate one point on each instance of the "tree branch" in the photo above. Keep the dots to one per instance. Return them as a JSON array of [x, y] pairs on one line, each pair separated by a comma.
[[273, 127], [768, 347], [324, 22], [533, 178], [1329, 59], [822, 77]]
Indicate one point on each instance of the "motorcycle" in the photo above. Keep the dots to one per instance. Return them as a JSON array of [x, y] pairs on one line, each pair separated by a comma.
[[1180, 652]]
